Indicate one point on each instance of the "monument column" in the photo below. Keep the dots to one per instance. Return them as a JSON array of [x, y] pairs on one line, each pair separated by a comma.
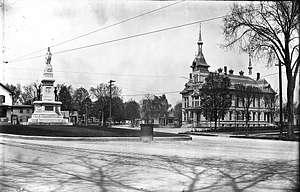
[[47, 111]]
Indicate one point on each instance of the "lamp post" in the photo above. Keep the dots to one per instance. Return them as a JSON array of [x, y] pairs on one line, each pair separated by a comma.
[[110, 84]]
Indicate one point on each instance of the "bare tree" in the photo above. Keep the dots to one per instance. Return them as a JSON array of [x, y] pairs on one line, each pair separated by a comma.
[[101, 93], [271, 31], [247, 94], [215, 97]]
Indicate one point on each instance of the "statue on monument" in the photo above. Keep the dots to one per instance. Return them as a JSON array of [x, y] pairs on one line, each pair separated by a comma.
[[48, 57], [48, 61]]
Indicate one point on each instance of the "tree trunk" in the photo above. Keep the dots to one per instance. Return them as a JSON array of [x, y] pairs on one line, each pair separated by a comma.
[[102, 117], [216, 123], [247, 121], [99, 118], [290, 109]]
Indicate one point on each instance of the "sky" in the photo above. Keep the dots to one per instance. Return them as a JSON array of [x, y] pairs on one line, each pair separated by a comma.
[[157, 63]]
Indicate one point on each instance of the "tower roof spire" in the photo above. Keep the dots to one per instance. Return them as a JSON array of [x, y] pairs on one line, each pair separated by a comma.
[[250, 64], [200, 37], [200, 61]]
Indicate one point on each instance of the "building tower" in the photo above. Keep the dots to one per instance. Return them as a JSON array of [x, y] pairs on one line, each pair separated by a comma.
[[250, 65], [199, 65]]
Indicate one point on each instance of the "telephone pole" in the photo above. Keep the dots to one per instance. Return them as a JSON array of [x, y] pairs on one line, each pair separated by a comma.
[[110, 84], [280, 100]]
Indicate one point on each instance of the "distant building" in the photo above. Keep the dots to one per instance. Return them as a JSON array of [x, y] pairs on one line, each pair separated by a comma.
[[6, 102], [21, 113], [261, 112]]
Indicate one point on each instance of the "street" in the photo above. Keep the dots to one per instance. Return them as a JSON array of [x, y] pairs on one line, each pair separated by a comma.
[[203, 164]]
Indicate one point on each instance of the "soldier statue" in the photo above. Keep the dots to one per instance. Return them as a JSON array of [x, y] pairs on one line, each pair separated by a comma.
[[48, 57]]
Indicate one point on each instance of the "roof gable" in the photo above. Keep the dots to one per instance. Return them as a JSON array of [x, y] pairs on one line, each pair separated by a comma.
[[6, 89]]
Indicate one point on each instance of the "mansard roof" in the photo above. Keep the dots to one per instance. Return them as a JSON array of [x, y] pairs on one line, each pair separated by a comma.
[[236, 79]]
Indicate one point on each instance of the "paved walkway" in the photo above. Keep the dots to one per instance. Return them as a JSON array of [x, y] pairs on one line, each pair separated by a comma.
[[202, 164]]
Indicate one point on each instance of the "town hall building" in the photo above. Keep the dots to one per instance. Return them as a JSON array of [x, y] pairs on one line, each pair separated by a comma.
[[261, 111]]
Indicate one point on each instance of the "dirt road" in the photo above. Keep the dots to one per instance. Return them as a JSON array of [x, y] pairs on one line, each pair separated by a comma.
[[203, 164]]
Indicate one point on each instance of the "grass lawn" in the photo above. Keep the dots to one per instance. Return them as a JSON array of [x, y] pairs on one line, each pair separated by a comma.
[[74, 131]]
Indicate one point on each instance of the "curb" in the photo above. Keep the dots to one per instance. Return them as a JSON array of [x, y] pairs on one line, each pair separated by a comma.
[[200, 134], [12, 136]]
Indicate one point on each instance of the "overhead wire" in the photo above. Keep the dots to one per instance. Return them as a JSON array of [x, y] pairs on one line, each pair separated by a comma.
[[125, 38], [94, 73], [106, 27]]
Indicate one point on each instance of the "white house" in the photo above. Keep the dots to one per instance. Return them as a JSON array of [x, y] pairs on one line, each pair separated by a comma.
[[6, 102]]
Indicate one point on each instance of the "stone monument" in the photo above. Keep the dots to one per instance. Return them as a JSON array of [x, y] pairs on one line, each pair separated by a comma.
[[47, 107]]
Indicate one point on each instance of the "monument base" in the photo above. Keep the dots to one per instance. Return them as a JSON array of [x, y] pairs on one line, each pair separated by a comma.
[[47, 113]]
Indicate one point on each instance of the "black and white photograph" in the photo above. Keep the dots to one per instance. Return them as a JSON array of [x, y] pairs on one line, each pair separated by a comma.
[[149, 96]]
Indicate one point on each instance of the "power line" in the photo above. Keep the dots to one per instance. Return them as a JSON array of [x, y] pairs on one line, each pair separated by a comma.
[[171, 92], [93, 73], [128, 37], [89, 33]]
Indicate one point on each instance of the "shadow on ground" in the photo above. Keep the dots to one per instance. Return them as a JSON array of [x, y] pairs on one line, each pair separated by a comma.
[[77, 169]]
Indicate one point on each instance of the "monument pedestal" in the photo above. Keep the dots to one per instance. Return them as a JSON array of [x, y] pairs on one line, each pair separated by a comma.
[[47, 110]]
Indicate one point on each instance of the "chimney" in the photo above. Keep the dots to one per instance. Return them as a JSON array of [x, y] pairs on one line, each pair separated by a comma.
[[225, 70], [241, 73], [258, 76], [231, 72], [190, 75], [220, 70]]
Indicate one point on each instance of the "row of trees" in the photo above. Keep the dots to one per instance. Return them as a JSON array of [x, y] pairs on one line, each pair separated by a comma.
[[95, 102]]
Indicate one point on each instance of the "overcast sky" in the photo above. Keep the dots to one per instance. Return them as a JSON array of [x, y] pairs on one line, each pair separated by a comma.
[[154, 63]]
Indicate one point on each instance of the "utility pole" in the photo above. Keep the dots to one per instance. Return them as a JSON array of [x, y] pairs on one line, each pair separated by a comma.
[[3, 40], [280, 101], [86, 116], [110, 84]]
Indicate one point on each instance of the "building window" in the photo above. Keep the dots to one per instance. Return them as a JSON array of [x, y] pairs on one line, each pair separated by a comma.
[[2, 99], [253, 116], [186, 102], [3, 112], [21, 110], [28, 111], [197, 102], [193, 101], [239, 115], [237, 101], [195, 78], [258, 101], [254, 102], [230, 115]]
